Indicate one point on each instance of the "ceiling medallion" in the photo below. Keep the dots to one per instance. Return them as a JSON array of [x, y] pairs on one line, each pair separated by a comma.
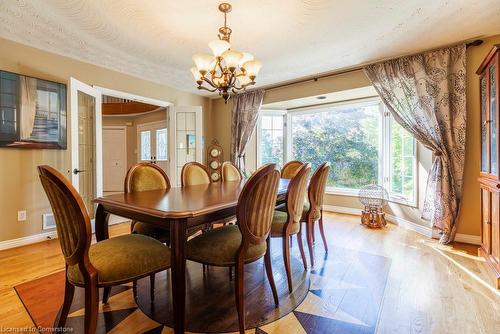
[[227, 71]]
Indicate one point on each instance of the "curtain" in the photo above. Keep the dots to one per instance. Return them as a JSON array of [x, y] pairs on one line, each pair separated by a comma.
[[244, 117], [28, 95], [425, 93]]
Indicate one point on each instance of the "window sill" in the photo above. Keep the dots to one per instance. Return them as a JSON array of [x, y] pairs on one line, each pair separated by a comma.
[[355, 193]]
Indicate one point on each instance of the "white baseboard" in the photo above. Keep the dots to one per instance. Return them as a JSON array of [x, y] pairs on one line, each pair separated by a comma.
[[32, 239], [468, 239], [424, 230]]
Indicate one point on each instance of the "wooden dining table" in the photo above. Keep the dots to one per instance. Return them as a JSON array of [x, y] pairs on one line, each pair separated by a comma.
[[178, 209]]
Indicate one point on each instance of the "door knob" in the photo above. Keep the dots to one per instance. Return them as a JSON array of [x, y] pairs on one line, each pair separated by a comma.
[[76, 171]]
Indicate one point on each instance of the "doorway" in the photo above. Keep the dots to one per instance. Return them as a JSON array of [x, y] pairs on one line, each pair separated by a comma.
[[152, 144]]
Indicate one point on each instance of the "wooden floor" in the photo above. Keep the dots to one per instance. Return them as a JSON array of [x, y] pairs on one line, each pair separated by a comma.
[[430, 288]]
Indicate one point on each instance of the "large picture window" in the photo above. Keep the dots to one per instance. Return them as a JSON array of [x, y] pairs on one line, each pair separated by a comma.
[[362, 142]]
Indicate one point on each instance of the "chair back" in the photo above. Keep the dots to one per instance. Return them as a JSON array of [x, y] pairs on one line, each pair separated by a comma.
[[70, 214], [256, 204], [290, 169], [193, 173], [296, 193], [317, 187], [230, 172], [146, 176]]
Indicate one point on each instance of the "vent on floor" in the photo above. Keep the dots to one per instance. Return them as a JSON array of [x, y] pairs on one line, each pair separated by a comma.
[[48, 221]]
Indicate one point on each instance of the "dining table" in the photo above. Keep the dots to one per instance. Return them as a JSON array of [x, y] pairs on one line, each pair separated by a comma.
[[179, 209]]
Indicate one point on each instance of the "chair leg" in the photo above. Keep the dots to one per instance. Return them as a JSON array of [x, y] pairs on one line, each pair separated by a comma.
[[313, 231], [69, 291], [322, 231], [152, 286], [286, 259], [91, 306], [269, 271], [310, 239], [105, 295], [301, 248], [239, 284]]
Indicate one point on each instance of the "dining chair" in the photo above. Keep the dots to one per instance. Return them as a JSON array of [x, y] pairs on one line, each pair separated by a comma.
[[193, 173], [286, 224], [290, 169], [313, 208], [147, 176], [107, 263], [246, 242], [230, 172]]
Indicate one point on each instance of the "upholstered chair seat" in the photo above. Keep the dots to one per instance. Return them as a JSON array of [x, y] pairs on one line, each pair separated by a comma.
[[280, 218], [152, 231], [219, 247], [123, 259]]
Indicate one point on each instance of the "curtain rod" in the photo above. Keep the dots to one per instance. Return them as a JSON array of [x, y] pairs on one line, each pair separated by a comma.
[[347, 70]]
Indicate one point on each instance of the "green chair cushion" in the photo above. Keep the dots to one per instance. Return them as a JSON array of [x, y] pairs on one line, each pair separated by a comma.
[[218, 247], [315, 215], [279, 220], [152, 231], [124, 259]]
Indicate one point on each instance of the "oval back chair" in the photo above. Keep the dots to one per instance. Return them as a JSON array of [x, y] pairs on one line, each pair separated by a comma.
[[104, 264], [193, 173], [230, 172], [313, 213], [290, 169], [236, 245], [286, 224]]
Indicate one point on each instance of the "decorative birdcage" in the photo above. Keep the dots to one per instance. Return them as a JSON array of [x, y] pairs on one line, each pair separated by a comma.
[[374, 198]]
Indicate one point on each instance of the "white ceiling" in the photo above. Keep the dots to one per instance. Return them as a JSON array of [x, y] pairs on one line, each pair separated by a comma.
[[155, 39]]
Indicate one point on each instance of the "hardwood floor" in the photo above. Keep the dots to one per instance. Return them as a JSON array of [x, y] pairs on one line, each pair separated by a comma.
[[430, 288]]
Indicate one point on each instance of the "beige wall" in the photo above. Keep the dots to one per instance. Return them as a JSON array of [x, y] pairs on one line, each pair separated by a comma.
[[470, 212], [19, 184]]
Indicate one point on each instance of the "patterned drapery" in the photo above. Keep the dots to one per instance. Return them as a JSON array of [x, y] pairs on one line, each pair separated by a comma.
[[426, 95], [244, 117]]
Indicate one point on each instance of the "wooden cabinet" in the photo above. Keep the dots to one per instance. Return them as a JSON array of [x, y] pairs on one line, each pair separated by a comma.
[[489, 174]]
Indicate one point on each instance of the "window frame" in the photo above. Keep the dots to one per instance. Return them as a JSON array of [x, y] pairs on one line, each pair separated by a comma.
[[384, 140], [258, 134]]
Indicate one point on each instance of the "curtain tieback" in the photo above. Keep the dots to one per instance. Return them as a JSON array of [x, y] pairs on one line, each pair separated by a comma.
[[438, 154]]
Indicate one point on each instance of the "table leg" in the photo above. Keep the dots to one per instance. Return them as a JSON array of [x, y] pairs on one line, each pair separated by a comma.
[[178, 262], [101, 223]]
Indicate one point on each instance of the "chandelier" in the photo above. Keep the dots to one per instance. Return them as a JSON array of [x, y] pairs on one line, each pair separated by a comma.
[[227, 71]]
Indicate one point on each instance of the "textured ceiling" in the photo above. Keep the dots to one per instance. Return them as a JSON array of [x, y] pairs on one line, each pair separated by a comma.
[[155, 39]]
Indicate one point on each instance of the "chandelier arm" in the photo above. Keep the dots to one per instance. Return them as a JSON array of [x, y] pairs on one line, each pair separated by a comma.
[[210, 82], [205, 88]]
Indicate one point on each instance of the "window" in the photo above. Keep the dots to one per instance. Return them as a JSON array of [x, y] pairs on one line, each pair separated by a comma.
[[161, 144], [360, 139], [347, 136], [271, 134], [146, 145]]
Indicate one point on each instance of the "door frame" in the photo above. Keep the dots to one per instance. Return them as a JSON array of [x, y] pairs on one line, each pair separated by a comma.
[[75, 87], [117, 127], [127, 96]]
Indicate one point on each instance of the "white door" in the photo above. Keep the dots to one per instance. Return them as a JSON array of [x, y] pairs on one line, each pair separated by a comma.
[[86, 142], [186, 138], [114, 162], [152, 144]]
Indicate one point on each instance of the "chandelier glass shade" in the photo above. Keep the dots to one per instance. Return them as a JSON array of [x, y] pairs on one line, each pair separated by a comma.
[[226, 71]]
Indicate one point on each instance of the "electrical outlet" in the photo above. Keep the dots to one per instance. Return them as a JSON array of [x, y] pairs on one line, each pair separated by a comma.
[[21, 216]]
